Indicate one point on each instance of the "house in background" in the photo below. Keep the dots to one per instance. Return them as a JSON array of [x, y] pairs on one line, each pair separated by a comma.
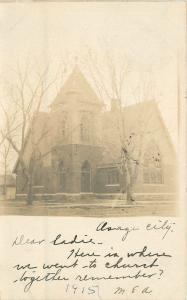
[[84, 145], [7, 187]]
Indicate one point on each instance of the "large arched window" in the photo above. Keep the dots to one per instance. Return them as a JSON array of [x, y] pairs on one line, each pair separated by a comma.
[[85, 128], [152, 165], [62, 176], [85, 177]]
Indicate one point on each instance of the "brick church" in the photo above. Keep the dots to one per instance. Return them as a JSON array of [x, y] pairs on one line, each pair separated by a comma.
[[82, 151]]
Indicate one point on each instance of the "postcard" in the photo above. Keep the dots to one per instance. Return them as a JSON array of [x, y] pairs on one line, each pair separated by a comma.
[[92, 150]]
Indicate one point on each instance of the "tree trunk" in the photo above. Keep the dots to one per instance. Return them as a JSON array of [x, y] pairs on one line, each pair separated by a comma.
[[5, 182], [29, 191], [130, 183], [130, 197], [123, 185]]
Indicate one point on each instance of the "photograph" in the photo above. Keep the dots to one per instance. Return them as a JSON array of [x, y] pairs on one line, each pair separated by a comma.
[[90, 106]]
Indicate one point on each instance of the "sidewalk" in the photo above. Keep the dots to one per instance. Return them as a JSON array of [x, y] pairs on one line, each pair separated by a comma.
[[94, 208]]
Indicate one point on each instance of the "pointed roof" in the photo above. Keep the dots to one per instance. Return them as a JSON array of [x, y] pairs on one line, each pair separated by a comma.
[[145, 111], [76, 84]]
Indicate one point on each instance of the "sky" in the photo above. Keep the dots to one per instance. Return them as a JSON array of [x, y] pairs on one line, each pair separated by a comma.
[[151, 36]]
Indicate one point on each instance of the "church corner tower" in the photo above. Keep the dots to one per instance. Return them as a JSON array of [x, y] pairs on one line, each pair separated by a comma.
[[76, 123]]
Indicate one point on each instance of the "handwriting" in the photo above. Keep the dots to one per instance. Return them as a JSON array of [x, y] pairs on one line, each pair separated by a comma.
[[142, 253], [30, 279], [103, 226], [92, 264], [94, 289], [28, 266], [22, 240], [137, 275], [79, 253], [146, 290], [164, 225], [79, 260], [59, 240], [60, 266], [119, 264]]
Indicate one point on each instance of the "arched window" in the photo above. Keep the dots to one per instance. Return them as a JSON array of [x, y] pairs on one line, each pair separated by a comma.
[[62, 176], [85, 177], [63, 128], [85, 129], [152, 165]]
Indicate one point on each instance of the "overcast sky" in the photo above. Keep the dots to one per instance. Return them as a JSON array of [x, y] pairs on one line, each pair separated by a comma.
[[152, 36]]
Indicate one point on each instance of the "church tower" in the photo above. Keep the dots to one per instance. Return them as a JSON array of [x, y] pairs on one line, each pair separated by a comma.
[[75, 119]]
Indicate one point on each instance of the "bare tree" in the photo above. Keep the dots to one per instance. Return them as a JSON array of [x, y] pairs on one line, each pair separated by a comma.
[[26, 93], [5, 163], [110, 81]]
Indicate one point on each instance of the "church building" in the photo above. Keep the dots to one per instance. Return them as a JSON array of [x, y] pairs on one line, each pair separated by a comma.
[[81, 152]]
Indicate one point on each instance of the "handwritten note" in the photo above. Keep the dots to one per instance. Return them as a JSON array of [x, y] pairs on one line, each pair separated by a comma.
[[95, 259]]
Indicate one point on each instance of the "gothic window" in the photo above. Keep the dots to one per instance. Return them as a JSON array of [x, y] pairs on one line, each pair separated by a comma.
[[63, 130], [85, 128], [112, 176], [152, 165], [62, 176]]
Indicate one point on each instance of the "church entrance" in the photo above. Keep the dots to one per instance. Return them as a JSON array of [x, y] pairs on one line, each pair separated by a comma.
[[85, 177]]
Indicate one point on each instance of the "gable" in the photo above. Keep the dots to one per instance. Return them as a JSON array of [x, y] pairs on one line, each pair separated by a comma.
[[76, 87], [143, 123]]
